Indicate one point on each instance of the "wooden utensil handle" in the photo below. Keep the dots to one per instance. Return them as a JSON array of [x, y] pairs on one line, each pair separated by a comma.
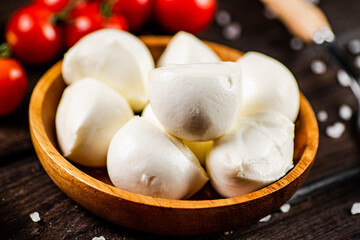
[[302, 18]]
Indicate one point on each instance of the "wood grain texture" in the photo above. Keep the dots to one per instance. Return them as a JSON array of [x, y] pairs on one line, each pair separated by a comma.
[[26, 188], [258, 34], [14, 128], [156, 215]]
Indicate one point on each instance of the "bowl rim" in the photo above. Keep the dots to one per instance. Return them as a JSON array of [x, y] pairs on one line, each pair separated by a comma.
[[40, 136]]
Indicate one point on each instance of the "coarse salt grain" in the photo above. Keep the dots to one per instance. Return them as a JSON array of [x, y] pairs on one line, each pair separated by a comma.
[[354, 46], [355, 209], [343, 78], [223, 18], [322, 116], [285, 208], [232, 31], [345, 112], [336, 130], [98, 238], [265, 219], [318, 66], [35, 217], [296, 44]]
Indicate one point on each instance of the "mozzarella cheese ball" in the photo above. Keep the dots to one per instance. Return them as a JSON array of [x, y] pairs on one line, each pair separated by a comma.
[[88, 115], [186, 48], [148, 113], [143, 159], [196, 102], [114, 57], [268, 85], [256, 153], [200, 149]]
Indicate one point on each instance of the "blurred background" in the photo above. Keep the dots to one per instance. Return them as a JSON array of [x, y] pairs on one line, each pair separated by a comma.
[[322, 208]]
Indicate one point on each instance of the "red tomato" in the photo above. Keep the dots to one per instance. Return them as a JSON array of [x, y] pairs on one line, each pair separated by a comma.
[[87, 17], [13, 84], [187, 15], [53, 5], [84, 7], [117, 22], [32, 36], [137, 12], [84, 18]]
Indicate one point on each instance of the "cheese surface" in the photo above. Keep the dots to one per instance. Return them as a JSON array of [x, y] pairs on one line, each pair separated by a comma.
[[144, 159], [268, 85], [114, 57], [255, 153], [196, 102], [88, 115], [185, 48]]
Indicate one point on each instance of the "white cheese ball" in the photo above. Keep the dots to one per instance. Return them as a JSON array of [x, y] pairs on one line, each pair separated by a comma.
[[196, 102], [186, 48], [114, 57], [88, 115], [256, 153], [143, 159], [200, 149], [268, 85], [148, 113]]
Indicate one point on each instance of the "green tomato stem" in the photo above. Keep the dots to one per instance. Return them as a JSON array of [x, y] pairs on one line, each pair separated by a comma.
[[105, 10], [5, 50]]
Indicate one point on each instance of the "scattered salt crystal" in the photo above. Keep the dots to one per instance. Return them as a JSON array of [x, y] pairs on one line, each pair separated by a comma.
[[296, 44], [265, 219], [98, 238], [318, 66], [35, 216], [345, 112], [355, 209], [223, 18], [269, 14], [343, 78], [354, 46], [315, 2], [322, 116], [232, 31], [336, 130], [285, 208], [357, 61]]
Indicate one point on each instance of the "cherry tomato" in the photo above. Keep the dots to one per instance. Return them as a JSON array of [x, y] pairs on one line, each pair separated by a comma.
[[117, 22], [84, 18], [84, 7], [187, 15], [53, 5], [32, 36], [87, 17], [137, 12], [13, 83]]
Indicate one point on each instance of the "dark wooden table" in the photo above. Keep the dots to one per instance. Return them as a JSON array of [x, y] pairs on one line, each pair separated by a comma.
[[320, 209]]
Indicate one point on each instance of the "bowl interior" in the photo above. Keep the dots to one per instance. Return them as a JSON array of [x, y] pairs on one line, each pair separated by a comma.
[[305, 123]]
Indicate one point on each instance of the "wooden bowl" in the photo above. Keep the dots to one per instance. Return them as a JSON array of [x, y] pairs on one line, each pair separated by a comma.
[[205, 213]]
